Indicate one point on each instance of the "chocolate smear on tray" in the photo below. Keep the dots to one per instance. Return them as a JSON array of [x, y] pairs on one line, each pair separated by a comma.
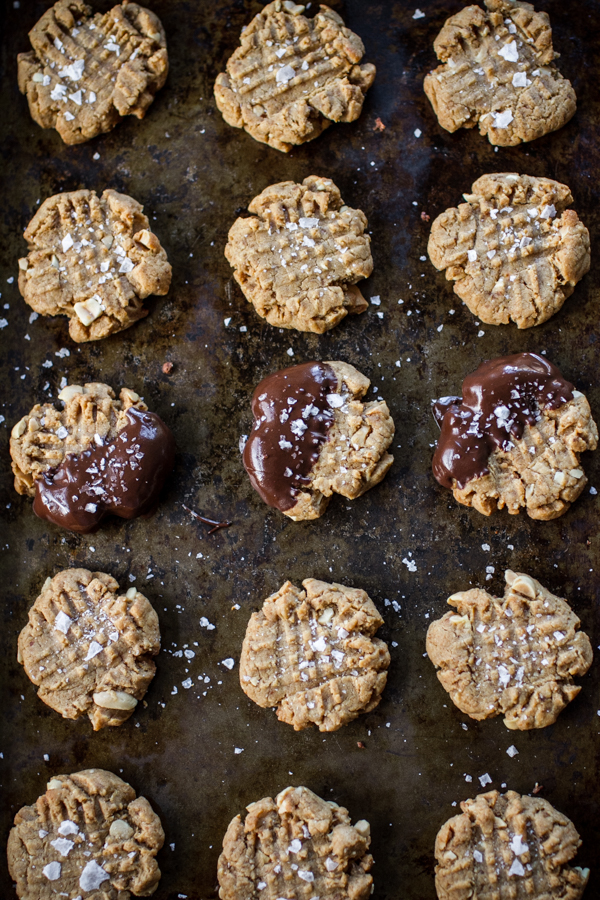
[[123, 476], [498, 400], [292, 419]]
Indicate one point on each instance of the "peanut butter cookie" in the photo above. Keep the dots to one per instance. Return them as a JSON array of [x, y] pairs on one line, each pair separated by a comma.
[[513, 250], [296, 846], [298, 259], [88, 647], [312, 654], [94, 260], [87, 836], [96, 456], [86, 72], [292, 76], [498, 72], [516, 656], [508, 847], [313, 437], [514, 439]]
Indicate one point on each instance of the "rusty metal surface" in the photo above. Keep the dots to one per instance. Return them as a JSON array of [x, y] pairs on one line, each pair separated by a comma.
[[193, 173]]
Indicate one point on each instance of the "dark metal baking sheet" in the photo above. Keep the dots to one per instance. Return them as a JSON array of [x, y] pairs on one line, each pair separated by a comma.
[[194, 174]]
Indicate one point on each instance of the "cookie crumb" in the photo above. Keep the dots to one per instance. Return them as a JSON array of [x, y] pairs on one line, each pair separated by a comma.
[[167, 368], [378, 126]]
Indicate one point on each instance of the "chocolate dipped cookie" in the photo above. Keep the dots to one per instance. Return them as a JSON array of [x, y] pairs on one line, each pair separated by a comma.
[[514, 439], [98, 455], [313, 437]]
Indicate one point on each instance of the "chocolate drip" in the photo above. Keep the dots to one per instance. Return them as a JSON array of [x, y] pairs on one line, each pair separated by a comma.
[[498, 400], [123, 477], [292, 419]]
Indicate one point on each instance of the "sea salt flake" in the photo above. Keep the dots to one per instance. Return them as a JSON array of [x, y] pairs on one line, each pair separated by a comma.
[[238, 750], [295, 846], [52, 871], [285, 74], [410, 564], [520, 79], [472, 255], [187, 683], [512, 751], [69, 116], [62, 622], [94, 649], [418, 14], [127, 265], [204, 623], [306, 222], [516, 868], [330, 864], [74, 71], [67, 242], [510, 52], [63, 845], [548, 212], [76, 97], [92, 876], [503, 118], [484, 779], [306, 876], [229, 663], [517, 845]]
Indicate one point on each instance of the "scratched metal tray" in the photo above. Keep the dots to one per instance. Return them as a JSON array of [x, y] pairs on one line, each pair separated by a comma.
[[406, 542]]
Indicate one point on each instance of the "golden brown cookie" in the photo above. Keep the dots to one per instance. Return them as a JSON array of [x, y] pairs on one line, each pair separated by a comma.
[[86, 71], [313, 437], [93, 259], [508, 847], [88, 647], [514, 656], [513, 250], [95, 456], [312, 654], [292, 76], [298, 258], [87, 836], [514, 439], [296, 846], [498, 72]]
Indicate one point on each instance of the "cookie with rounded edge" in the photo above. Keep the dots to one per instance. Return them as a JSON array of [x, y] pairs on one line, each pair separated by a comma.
[[88, 647], [97, 455], [292, 76], [509, 847], [296, 845], [88, 835], [93, 259], [513, 249], [515, 438], [313, 655], [313, 436], [514, 656], [498, 72], [299, 257], [86, 72]]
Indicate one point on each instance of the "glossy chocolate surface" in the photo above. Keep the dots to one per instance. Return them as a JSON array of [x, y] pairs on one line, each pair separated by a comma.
[[498, 400], [124, 476], [292, 417]]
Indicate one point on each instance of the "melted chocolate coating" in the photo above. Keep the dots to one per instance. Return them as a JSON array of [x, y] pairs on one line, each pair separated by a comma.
[[292, 419], [498, 399], [123, 477]]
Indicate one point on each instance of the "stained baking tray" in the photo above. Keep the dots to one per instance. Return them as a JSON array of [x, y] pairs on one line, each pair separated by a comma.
[[406, 542]]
